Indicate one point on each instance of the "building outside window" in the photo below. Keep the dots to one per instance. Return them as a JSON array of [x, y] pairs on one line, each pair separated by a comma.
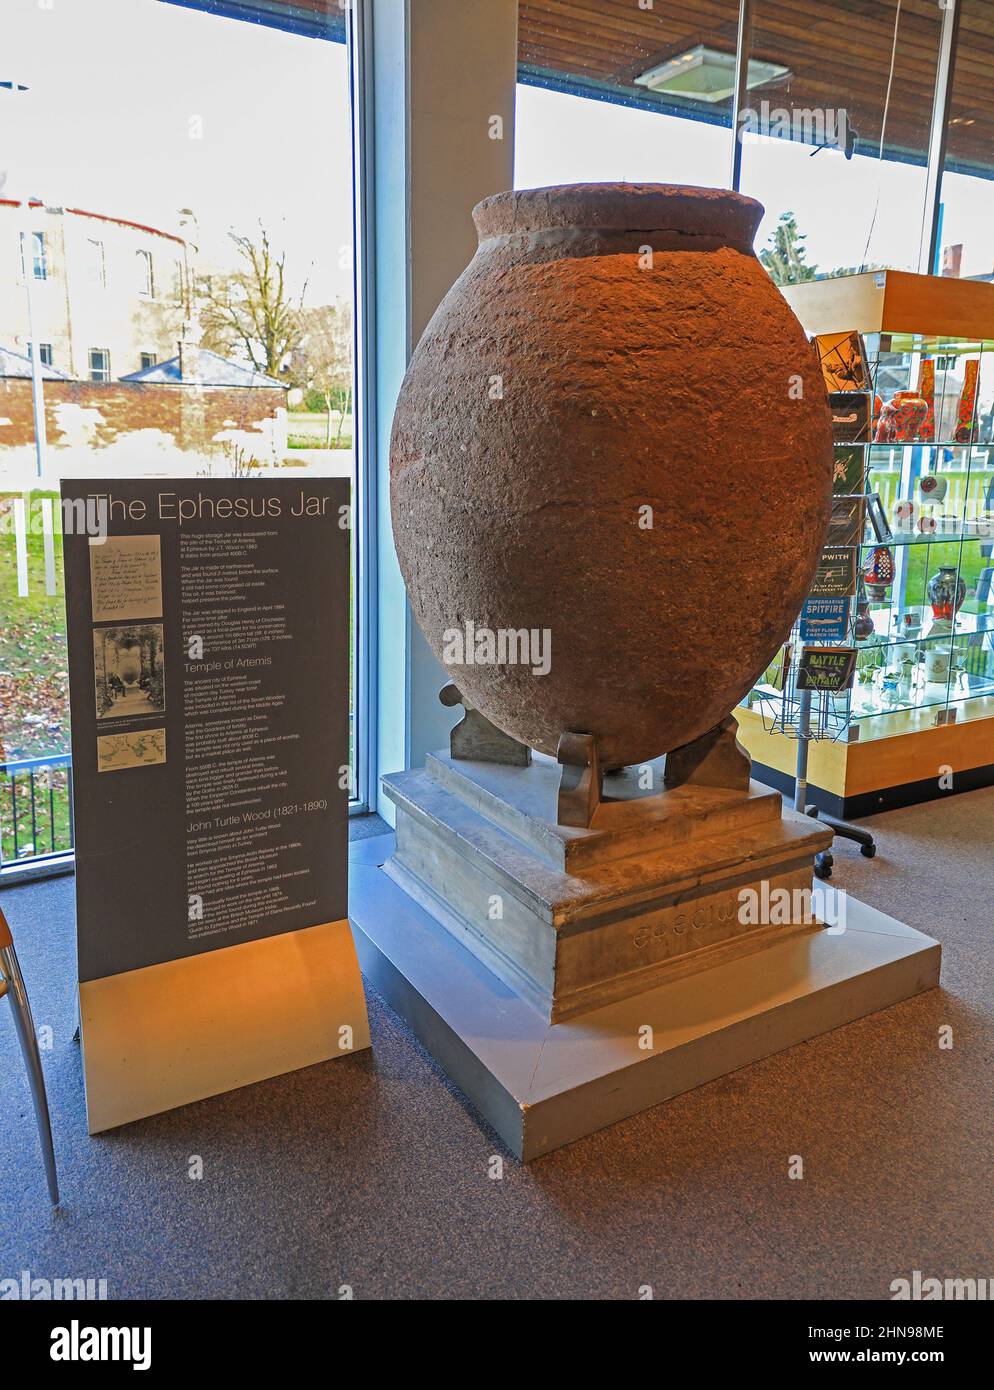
[[108, 236], [99, 364]]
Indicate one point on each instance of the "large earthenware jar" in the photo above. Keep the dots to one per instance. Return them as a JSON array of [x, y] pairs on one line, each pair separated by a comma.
[[612, 437]]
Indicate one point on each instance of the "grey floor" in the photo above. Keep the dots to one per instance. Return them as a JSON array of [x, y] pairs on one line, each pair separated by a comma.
[[371, 1172]]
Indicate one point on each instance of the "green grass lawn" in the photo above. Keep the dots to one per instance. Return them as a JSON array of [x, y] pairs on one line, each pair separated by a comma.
[[924, 559], [308, 429], [34, 690]]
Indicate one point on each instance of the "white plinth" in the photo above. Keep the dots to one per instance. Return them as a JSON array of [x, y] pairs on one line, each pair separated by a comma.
[[541, 1085]]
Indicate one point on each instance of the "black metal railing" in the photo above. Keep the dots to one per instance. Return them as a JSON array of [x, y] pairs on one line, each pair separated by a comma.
[[36, 810]]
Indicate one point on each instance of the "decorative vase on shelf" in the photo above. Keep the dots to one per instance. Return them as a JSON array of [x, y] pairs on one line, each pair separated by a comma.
[[863, 625], [946, 592], [901, 418], [567, 378], [878, 572]]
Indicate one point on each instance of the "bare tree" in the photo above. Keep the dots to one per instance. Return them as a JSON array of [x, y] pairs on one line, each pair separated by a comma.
[[323, 360], [250, 310]]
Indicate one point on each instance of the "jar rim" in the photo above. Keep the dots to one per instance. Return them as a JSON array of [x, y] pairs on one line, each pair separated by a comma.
[[716, 213]]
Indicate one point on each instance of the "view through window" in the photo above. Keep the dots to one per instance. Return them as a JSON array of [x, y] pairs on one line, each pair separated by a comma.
[[175, 297]]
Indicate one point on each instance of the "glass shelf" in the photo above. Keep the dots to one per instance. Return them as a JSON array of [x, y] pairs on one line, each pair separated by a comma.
[[934, 674], [929, 538]]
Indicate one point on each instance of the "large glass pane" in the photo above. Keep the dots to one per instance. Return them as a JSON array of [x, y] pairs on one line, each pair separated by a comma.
[[175, 296], [616, 91], [967, 211], [835, 146]]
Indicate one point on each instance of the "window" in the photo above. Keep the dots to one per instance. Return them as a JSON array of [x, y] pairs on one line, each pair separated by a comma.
[[44, 353], [645, 92], [96, 268], [39, 256], [99, 364], [836, 149], [150, 255], [146, 287], [966, 245]]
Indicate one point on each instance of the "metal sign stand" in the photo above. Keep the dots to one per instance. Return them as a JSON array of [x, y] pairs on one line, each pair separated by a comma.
[[863, 838]]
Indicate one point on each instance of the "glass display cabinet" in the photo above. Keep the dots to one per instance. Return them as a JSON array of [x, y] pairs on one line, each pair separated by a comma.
[[914, 507]]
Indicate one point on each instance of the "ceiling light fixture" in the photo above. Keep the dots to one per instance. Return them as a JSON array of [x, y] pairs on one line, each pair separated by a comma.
[[706, 74]]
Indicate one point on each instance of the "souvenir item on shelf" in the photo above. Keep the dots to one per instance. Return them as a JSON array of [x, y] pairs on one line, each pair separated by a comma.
[[967, 409], [825, 619], [878, 518], [946, 592], [846, 524], [868, 661], [901, 419], [937, 654], [863, 626], [843, 361], [878, 572], [558, 273], [835, 576], [932, 487], [850, 416], [926, 389], [847, 477], [904, 514], [826, 668]]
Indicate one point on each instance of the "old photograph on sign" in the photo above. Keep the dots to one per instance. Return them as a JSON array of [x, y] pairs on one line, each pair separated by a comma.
[[129, 671]]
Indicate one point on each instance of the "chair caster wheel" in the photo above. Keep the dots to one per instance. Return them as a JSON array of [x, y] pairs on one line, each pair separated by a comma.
[[868, 851], [823, 865]]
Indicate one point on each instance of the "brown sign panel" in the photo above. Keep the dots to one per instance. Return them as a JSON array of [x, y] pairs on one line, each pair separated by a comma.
[[209, 682]]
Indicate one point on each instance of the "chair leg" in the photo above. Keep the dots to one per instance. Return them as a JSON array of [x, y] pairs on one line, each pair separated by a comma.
[[26, 1036]]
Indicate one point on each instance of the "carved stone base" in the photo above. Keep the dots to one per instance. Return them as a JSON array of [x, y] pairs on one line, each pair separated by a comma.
[[575, 917]]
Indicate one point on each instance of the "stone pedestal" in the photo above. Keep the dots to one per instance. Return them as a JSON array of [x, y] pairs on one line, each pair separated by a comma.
[[566, 977], [575, 918]]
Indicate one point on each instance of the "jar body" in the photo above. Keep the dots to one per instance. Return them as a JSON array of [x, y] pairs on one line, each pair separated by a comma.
[[615, 440]]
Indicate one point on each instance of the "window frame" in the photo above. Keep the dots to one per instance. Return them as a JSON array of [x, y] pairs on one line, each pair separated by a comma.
[[146, 281], [97, 262], [39, 255], [100, 380]]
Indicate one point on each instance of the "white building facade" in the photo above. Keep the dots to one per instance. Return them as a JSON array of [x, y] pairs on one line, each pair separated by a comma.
[[108, 297]]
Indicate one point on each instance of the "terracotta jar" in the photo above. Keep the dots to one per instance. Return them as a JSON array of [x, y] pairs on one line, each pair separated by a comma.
[[612, 438]]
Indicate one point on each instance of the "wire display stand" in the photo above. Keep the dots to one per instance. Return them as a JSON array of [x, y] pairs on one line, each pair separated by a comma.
[[807, 715]]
